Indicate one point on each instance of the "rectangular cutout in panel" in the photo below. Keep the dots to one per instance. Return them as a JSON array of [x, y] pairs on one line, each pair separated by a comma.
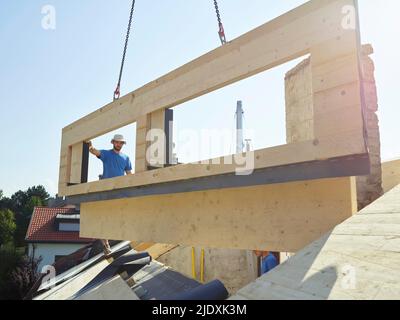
[[314, 28]]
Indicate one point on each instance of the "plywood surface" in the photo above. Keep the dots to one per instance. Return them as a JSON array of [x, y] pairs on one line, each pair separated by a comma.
[[315, 27], [359, 259], [390, 174], [281, 217]]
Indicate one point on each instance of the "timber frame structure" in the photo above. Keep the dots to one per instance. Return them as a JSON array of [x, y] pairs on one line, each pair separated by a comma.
[[328, 30]]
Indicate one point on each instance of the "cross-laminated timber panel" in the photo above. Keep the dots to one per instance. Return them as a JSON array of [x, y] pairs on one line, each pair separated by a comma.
[[326, 29], [357, 260], [282, 217], [390, 174]]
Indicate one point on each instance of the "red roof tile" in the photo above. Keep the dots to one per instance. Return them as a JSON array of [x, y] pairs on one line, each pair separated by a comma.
[[42, 227]]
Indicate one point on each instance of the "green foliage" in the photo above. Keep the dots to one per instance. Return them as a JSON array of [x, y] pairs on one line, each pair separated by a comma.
[[24, 276], [5, 203], [18, 273], [18, 201], [7, 226], [9, 258], [22, 227], [22, 204], [31, 203], [39, 192]]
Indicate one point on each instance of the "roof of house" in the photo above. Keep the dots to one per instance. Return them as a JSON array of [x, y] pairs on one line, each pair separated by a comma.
[[42, 227], [126, 274]]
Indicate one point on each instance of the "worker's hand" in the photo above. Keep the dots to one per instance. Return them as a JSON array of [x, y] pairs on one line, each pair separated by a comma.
[[92, 149]]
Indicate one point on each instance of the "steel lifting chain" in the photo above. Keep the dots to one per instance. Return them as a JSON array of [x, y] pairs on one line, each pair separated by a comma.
[[117, 92], [221, 31]]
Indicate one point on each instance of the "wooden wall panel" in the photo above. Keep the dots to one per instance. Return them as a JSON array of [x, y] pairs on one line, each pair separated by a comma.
[[282, 218], [271, 157], [76, 163], [390, 175], [315, 27], [283, 39], [142, 127]]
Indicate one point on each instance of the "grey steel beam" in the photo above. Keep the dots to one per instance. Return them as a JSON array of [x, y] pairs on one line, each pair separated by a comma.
[[337, 167]]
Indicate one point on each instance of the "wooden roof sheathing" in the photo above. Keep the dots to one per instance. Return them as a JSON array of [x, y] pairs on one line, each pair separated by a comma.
[[358, 260]]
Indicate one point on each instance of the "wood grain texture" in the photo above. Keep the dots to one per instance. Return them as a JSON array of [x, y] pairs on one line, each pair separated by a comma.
[[390, 174], [358, 260], [281, 218], [315, 27]]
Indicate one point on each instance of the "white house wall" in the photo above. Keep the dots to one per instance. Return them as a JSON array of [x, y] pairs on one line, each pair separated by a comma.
[[48, 251]]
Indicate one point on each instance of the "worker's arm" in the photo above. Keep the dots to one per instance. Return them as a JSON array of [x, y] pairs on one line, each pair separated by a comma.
[[93, 150], [128, 167]]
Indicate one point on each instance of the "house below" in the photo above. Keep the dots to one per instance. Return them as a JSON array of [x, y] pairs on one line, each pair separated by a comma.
[[131, 272], [53, 233]]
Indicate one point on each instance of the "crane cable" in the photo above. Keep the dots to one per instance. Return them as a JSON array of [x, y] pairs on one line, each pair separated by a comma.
[[221, 31], [117, 92]]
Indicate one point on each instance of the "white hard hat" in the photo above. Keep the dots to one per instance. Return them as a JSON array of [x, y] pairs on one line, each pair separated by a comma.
[[118, 138]]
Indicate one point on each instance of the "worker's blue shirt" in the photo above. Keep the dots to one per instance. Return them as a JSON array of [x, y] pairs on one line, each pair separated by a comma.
[[268, 263], [114, 164]]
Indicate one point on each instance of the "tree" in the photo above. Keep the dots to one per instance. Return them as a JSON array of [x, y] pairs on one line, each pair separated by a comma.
[[30, 204], [18, 273], [39, 192], [9, 260], [22, 227], [22, 204], [6, 203], [25, 275], [22, 200], [23, 218], [7, 226], [18, 201]]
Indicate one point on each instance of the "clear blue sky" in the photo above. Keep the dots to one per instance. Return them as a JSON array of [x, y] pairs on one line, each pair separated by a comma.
[[50, 78]]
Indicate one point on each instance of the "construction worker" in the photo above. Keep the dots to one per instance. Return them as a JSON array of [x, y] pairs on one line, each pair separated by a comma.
[[268, 261], [115, 164]]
